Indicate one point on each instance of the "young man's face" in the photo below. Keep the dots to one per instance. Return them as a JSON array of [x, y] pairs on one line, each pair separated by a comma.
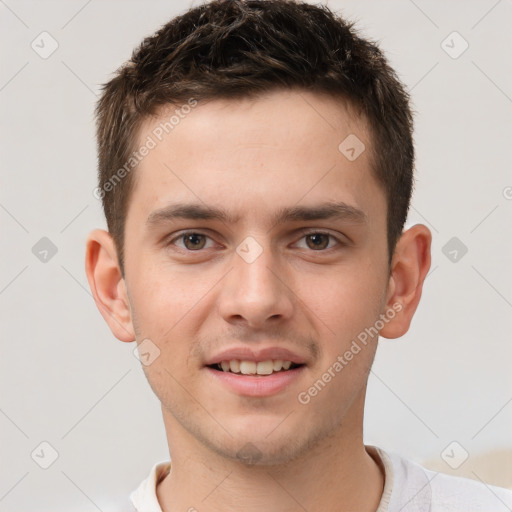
[[254, 287]]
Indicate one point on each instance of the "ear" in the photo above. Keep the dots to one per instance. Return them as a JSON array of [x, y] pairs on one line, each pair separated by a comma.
[[409, 268], [107, 284]]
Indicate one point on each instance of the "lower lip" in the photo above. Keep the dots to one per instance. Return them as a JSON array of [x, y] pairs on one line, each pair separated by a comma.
[[257, 386]]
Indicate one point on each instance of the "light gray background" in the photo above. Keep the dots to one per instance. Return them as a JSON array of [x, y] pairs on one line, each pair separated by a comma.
[[66, 380]]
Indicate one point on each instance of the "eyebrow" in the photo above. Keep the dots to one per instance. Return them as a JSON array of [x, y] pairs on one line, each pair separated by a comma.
[[197, 211]]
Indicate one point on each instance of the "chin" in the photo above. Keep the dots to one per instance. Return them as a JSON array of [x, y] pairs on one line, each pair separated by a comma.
[[262, 454], [273, 450]]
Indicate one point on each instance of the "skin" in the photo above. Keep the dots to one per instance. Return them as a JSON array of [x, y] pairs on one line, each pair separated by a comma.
[[253, 157]]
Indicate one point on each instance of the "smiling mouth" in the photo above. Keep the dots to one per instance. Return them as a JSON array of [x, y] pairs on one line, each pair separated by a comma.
[[262, 368]]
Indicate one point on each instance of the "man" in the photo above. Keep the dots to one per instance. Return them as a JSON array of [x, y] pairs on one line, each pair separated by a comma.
[[256, 169]]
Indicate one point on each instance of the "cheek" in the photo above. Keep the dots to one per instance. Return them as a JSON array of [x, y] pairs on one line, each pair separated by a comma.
[[163, 311], [163, 295], [346, 298], [169, 308], [348, 308]]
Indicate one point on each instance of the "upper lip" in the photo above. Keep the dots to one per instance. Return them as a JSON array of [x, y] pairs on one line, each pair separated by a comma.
[[257, 355]]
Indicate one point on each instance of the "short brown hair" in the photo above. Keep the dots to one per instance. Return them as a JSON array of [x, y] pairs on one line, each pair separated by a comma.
[[241, 48]]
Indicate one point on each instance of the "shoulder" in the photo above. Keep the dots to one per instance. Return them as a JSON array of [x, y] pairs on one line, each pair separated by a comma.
[[415, 488], [466, 494], [144, 498]]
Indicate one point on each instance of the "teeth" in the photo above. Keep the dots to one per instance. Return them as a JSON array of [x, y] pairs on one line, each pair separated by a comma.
[[253, 368], [265, 368], [247, 367], [278, 364]]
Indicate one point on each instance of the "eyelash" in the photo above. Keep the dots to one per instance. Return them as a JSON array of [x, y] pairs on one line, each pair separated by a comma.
[[304, 235]]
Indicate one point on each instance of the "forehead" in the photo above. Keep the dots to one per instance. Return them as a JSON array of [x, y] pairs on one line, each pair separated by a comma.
[[254, 155], [295, 116]]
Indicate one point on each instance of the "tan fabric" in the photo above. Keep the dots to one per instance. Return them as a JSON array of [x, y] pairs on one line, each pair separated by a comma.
[[408, 487]]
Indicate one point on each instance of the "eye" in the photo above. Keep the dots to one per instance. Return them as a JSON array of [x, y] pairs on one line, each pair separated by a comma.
[[319, 241], [192, 241]]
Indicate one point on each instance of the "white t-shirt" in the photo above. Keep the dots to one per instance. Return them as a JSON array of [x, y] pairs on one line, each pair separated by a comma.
[[408, 487]]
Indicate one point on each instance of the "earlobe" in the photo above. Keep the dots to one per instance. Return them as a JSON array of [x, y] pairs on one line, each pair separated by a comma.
[[409, 268], [107, 284]]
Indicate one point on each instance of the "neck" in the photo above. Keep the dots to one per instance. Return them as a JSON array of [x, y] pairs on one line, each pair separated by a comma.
[[336, 474]]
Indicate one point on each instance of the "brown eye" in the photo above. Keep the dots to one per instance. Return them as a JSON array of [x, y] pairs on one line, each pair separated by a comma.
[[317, 241], [193, 241]]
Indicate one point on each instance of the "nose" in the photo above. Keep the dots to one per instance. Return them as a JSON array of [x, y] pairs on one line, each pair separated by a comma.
[[256, 292]]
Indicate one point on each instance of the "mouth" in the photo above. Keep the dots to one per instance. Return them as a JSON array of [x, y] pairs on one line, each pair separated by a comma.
[[254, 368], [256, 372]]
